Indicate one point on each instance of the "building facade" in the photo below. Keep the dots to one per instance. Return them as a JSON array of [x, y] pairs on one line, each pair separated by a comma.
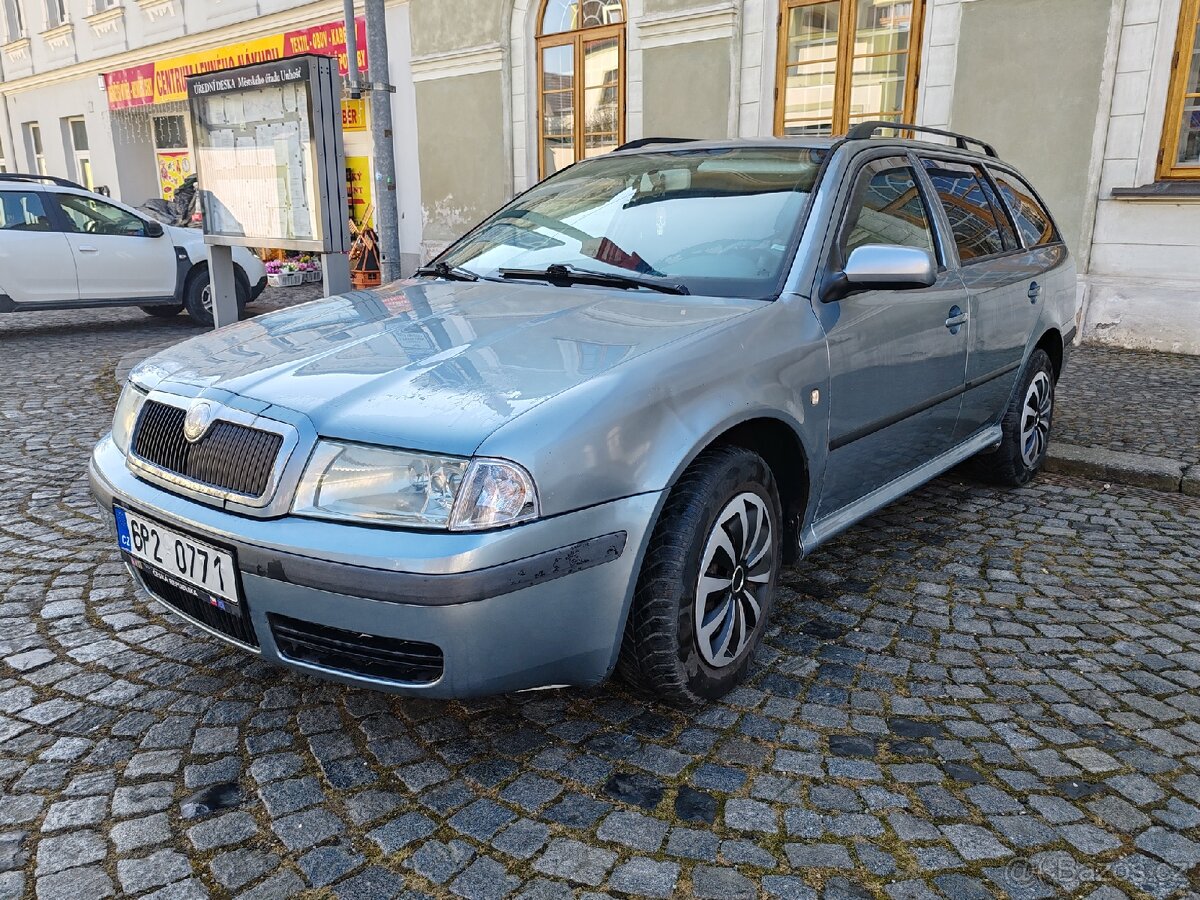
[[1097, 100]]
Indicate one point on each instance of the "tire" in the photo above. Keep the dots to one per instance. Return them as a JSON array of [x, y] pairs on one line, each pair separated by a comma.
[[1026, 425], [661, 651], [164, 311], [196, 297]]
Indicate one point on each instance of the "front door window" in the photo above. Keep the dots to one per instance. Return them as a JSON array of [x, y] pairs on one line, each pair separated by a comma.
[[845, 61]]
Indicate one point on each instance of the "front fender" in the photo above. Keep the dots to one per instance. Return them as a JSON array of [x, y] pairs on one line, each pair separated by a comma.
[[635, 428]]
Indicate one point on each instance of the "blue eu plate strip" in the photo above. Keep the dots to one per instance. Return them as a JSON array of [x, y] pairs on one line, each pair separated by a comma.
[[122, 530]]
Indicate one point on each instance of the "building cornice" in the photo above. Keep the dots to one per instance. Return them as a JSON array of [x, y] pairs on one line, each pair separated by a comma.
[[16, 50], [158, 9], [60, 36], [301, 17], [106, 20], [707, 23], [468, 61]]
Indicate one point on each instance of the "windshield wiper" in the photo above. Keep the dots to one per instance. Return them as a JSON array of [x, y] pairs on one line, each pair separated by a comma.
[[447, 271], [566, 274]]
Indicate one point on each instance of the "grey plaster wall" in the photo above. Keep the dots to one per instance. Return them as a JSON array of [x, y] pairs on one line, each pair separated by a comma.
[[441, 26], [465, 162], [686, 90], [1028, 79]]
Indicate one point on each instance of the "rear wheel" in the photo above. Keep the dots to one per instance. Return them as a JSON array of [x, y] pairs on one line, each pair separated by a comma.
[[1026, 426], [197, 297], [163, 311], [704, 594]]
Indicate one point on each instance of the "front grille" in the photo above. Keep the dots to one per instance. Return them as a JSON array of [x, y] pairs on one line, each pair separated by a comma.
[[228, 624], [392, 659], [229, 457]]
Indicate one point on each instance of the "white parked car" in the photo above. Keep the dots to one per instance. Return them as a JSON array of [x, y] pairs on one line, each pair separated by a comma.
[[65, 247]]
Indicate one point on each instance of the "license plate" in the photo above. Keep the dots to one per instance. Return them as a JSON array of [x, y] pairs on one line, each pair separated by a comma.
[[193, 565]]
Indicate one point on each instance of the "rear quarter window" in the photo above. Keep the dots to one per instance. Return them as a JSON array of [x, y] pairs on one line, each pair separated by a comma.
[[1032, 220]]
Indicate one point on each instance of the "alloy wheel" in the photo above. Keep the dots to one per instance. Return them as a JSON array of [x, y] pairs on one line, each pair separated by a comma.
[[1035, 419], [735, 572]]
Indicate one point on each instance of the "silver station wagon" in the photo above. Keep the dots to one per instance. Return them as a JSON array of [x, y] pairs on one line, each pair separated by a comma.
[[588, 436]]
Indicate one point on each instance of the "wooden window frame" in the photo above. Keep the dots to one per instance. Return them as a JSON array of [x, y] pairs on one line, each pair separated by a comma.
[[844, 63], [1177, 97], [577, 39]]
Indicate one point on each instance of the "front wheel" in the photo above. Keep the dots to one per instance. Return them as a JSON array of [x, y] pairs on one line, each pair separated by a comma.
[[1026, 427], [705, 590], [197, 298]]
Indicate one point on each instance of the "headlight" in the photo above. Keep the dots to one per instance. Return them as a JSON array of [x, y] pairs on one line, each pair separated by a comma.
[[358, 483], [125, 418]]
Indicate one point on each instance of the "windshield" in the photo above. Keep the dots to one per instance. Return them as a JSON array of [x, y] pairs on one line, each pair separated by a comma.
[[720, 222]]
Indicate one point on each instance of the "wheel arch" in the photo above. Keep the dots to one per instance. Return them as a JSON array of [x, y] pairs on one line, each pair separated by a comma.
[[197, 268], [1052, 342], [779, 443]]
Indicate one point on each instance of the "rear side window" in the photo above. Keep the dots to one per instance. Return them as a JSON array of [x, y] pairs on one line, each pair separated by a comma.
[[979, 226], [886, 208], [1032, 220], [22, 211]]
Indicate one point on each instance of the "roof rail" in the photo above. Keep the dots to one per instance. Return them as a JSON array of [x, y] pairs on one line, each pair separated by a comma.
[[866, 130], [40, 179], [648, 141]]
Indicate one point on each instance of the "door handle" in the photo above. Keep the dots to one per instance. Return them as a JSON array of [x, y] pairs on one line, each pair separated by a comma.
[[85, 249], [1035, 291], [956, 320]]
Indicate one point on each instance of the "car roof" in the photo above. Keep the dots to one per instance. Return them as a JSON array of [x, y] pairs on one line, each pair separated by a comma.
[[15, 181]]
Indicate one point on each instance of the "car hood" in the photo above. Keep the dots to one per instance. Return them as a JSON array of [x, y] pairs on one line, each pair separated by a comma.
[[431, 365]]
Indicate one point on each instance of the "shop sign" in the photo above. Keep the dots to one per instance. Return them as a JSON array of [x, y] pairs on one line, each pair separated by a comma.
[[165, 80], [328, 40], [358, 187], [174, 166], [130, 87], [354, 115]]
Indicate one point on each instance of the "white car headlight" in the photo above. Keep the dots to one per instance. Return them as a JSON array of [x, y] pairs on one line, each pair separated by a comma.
[[126, 416], [377, 485]]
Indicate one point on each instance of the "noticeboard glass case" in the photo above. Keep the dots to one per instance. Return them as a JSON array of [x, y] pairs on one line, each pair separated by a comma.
[[264, 149]]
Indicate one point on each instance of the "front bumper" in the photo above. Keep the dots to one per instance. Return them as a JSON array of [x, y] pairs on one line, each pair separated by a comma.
[[540, 604]]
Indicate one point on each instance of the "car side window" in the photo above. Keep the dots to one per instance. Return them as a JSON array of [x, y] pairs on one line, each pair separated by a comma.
[[1034, 223], [87, 215], [886, 208], [23, 211], [980, 227]]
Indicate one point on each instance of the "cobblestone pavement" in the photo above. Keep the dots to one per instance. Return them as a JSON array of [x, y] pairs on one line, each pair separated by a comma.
[[1131, 401], [978, 692]]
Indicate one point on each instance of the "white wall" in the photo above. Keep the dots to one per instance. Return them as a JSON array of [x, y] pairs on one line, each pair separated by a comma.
[[1142, 288]]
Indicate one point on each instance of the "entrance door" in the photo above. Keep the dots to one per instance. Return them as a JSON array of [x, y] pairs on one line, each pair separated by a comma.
[[36, 265], [897, 363]]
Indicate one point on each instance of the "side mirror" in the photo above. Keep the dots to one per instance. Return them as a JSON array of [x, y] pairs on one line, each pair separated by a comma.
[[881, 267], [153, 229]]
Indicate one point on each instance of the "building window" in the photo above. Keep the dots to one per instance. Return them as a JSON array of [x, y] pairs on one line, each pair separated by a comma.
[[77, 131], [33, 145], [1180, 154], [56, 13], [845, 61], [581, 81], [14, 19]]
